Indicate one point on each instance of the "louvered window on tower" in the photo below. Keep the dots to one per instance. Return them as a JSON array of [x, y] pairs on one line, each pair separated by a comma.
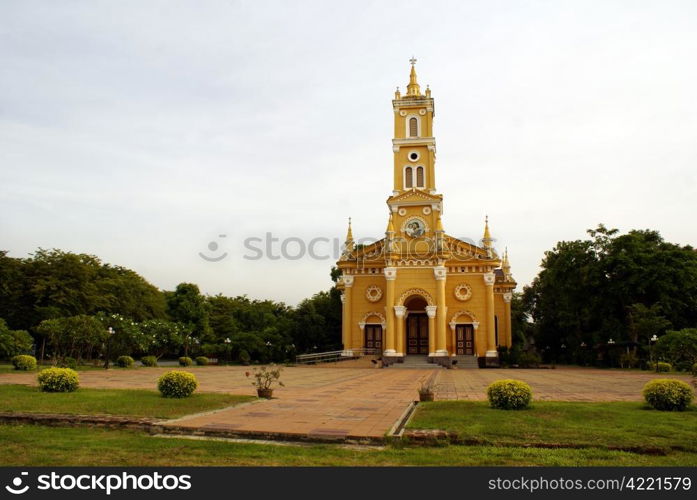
[[420, 177], [413, 127], [408, 178]]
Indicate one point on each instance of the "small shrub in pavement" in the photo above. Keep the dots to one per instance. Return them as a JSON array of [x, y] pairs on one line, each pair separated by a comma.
[[149, 360], [185, 361], [202, 361], [24, 362], [58, 380], [177, 384], [509, 394], [668, 395], [125, 361]]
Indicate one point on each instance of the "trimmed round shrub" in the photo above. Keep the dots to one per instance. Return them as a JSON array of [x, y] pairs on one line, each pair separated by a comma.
[[244, 357], [24, 362], [69, 363], [177, 384], [149, 360], [185, 361], [58, 380], [202, 361], [509, 394], [667, 394], [663, 367], [125, 361], [694, 369]]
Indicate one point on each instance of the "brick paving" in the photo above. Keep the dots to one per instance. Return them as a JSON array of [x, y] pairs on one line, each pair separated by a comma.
[[346, 403]]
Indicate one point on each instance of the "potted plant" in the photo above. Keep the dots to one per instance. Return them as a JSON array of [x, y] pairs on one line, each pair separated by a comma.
[[264, 379], [427, 390]]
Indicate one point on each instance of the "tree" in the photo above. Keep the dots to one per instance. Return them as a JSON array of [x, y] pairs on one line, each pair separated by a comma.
[[13, 342], [74, 336], [187, 306], [679, 348], [161, 336]]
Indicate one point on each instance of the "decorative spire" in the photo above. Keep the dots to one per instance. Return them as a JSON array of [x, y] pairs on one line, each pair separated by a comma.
[[413, 88], [439, 224], [397, 94], [390, 225], [486, 240], [349, 235], [506, 266]]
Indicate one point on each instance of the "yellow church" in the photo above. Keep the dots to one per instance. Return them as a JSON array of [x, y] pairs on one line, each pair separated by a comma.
[[418, 292]]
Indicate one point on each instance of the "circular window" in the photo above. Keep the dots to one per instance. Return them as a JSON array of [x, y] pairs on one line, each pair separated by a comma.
[[413, 156], [463, 292], [373, 293]]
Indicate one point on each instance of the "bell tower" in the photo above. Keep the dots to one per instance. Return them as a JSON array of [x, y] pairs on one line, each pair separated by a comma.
[[413, 144]]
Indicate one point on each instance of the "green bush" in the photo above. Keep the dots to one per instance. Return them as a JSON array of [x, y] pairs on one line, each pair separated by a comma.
[[125, 361], [663, 367], [509, 394], [694, 369], [667, 394], [68, 362], [149, 360], [24, 362], [529, 359], [202, 361], [177, 384], [628, 360], [185, 361], [58, 380], [244, 357]]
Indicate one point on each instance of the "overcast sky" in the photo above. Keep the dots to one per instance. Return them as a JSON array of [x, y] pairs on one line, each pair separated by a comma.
[[142, 131]]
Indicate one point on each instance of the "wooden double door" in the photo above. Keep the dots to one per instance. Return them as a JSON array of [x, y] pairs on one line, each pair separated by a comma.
[[464, 339], [373, 337], [417, 334]]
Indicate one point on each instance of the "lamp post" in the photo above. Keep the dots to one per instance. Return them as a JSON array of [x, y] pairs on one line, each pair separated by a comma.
[[227, 342], [652, 342], [111, 332]]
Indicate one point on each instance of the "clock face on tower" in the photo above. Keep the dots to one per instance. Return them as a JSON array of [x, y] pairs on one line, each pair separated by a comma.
[[415, 228]]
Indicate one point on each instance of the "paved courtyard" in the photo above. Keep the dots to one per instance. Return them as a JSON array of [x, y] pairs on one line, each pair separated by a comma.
[[358, 402]]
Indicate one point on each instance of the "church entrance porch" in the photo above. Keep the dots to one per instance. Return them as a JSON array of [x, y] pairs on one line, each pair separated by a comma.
[[464, 340], [417, 334], [417, 329], [373, 337]]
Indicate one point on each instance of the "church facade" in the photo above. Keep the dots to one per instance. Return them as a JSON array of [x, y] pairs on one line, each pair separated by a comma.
[[420, 291]]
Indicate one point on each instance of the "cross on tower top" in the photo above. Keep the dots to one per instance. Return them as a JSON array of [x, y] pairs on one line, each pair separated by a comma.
[[412, 60]]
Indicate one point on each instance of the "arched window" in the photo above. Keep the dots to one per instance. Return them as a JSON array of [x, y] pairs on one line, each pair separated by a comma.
[[420, 177], [413, 127], [408, 177]]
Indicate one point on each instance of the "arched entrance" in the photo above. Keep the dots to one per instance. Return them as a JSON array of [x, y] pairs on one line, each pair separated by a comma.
[[416, 330]]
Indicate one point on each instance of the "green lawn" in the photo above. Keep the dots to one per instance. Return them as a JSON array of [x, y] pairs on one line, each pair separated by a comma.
[[34, 445], [133, 402], [629, 426]]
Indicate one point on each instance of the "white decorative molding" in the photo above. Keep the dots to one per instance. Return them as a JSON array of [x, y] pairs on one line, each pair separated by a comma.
[[361, 325], [416, 291], [402, 212], [402, 113], [411, 153], [407, 119], [475, 325], [507, 297], [400, 311], [426, 210], [440, 272], [456, 317], [431, 311], [422, 112], [367, 316], [373, 293], [390, 273], [463, 292], [395, 148], [489, 278]]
